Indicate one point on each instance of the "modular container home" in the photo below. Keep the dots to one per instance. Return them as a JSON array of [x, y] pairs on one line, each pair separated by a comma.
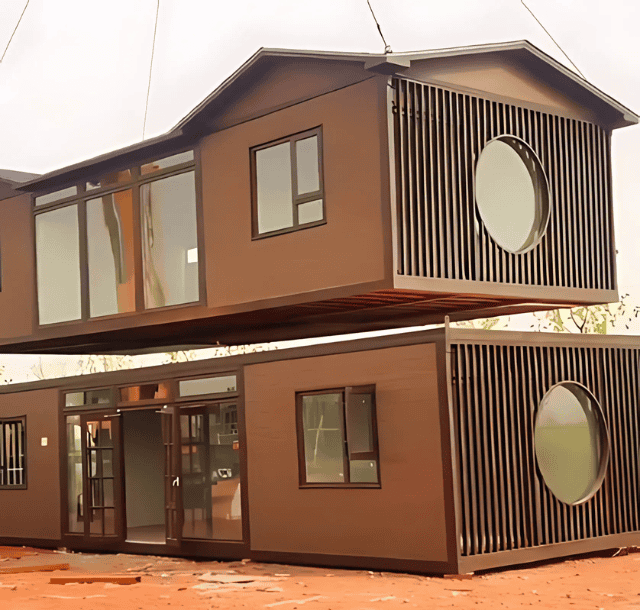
[[440, 451], [318, 193]]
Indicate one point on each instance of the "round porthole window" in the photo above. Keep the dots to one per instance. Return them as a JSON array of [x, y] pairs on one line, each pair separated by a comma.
[[512, 194], [571, 442]]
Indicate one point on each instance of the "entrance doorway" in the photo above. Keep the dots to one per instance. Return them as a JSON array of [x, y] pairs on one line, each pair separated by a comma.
[[143, 458], [162, 474]]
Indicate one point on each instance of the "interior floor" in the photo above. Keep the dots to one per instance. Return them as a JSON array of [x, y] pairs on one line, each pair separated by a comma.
[[149, 534]]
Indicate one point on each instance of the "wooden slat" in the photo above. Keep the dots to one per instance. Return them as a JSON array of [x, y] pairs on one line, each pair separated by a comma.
[[50, 567], [116, 579]]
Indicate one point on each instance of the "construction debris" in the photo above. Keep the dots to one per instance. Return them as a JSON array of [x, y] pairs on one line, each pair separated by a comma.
[[43, 568], [113, 578], [296, 601], [235, 578]]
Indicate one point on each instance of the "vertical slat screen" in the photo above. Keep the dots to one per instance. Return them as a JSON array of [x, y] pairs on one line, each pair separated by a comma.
[[439, 137], [505, 503]]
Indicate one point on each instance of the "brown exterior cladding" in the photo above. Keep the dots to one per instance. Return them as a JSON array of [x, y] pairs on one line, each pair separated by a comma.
[[460, 489], [404, 518], [345, 252], [34, 512], [440, 134], [17, 289], [378, 261]]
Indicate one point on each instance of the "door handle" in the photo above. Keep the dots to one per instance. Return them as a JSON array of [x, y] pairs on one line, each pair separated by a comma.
[[176, 482]]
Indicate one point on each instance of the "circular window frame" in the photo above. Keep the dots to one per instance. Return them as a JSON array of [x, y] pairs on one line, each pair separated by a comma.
[[605, 438], [541, 189]]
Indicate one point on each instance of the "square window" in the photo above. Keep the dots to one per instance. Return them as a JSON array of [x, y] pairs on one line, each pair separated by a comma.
[[337, 437], [288, 192], [13, 473]]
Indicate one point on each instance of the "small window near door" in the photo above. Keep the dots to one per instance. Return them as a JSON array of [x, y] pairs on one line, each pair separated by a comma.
[[208, 385], [338, 438], [13, 470], [288, 191]]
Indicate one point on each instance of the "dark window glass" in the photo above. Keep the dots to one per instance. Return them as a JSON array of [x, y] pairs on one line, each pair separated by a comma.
[[109, 180], [13, 473], [571, 442], [89, 397], [169, 241], [288, 184], [58, 264], [338, 436], [111, 264]]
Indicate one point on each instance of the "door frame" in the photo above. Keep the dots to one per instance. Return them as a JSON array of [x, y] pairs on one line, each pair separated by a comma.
[[219, 549]]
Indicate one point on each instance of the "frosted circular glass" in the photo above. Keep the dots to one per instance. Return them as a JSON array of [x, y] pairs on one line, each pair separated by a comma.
[[512, 194], [571, 442]]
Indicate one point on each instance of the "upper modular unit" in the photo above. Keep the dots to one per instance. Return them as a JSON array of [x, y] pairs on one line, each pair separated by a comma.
[[319, 193]]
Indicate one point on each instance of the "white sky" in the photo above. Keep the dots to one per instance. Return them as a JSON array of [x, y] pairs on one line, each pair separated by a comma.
[[73, 83]]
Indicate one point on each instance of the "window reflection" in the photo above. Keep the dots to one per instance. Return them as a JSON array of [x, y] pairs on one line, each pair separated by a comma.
[[323, 438], [211, 473], [571, 442], [167, 162], [74, 474], [273, 168], [58, 265], [168, 222], [110, 179], [111, 262]]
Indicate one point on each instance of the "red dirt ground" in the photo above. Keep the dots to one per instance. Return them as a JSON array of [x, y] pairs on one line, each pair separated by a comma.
[[593, 582]]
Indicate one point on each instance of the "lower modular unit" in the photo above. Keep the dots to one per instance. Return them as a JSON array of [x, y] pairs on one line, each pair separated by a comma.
[[441, 451]]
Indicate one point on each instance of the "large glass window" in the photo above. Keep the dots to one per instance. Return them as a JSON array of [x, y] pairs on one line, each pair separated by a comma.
[[136, 231], [337, 436], [512, 194], [169, 241], [58, 265], [110, 254], [288, 190], [13, 471], [571, 442]]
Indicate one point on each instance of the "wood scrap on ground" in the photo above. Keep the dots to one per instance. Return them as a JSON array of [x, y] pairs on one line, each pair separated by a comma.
[[116, 579], [51, 567]]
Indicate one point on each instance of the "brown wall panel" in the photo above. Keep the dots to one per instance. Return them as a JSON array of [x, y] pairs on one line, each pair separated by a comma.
[[405, 518], [34, 512], [347, 250], [281, 82], [494, 74], [17, 267]]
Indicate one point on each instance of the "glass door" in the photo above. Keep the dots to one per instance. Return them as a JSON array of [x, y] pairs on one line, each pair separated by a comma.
[[94, 495], [172, 479], [210, 471]]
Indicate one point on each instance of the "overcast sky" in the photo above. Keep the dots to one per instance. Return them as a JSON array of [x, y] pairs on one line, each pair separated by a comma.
[[74, 80]]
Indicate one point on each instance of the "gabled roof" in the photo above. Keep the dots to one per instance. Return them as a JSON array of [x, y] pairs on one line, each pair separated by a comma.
[[194, 124], [549, 69], [10, 180]]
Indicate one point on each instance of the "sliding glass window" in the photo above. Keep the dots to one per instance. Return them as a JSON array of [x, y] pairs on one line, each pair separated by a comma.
[[124, 241]]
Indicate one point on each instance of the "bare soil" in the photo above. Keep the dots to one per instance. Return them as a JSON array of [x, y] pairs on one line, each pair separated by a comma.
[[588, 582]]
